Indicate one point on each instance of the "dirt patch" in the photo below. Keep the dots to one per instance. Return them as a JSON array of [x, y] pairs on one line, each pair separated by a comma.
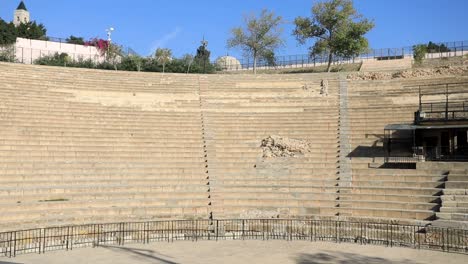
[[414, 73], [276, 147]]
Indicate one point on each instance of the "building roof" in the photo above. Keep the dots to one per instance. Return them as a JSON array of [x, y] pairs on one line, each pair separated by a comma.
[[22, 6], [416, 127]]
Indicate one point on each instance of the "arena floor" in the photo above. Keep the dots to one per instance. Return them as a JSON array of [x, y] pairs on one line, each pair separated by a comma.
[[247, 252]]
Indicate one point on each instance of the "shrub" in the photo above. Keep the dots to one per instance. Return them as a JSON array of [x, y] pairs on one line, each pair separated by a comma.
[[75, 40], [101, 44], [54, 60], [419, 52], [7, 53]]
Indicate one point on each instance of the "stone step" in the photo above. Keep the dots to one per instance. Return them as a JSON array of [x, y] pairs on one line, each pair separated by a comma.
[[453, 216]]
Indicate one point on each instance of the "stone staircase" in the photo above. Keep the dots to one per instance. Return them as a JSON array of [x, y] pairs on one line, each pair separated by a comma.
[[241, 111], [455, 195], [400, 194]]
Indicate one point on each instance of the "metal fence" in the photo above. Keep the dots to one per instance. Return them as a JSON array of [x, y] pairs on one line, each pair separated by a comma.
[[442, 50], [94, 235]]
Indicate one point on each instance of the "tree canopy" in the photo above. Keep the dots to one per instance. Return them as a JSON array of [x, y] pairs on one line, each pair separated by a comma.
[[31, 30], [337, 28], [436, 48], [203, 55], [163, 56], [259, 37], [7, 33]]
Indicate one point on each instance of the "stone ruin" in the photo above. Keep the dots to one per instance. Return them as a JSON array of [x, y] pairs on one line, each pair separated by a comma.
[[279, 147]]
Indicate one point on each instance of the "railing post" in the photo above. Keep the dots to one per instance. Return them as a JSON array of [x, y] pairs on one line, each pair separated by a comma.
[[94, 235], [311, 229], [147, 232], [443, 241], [446, 102], [68, 236], [40, 240], [9, 245], [243, 229], [263, 230], [336, 232], [71, 239], [172, 231], [216, 230], [123, 234], [14, 245], [391, 235], [44, 242]]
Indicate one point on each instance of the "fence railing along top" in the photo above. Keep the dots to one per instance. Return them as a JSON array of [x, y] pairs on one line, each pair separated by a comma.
[[42, 240]]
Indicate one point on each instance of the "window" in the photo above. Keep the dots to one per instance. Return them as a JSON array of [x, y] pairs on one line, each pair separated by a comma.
[[18, 19]]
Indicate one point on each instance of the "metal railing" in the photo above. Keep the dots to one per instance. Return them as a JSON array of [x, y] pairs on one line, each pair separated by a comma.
[[445, 153], [450, 105], [445, 50], [94, 235]]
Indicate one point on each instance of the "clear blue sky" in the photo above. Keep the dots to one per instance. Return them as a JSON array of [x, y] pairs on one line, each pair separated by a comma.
[[181, 24]]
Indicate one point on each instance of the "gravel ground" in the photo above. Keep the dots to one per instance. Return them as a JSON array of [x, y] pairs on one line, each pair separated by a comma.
[[248, 252]]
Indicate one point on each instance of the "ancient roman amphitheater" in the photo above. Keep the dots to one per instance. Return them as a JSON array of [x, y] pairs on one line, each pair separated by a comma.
[[94, 158]]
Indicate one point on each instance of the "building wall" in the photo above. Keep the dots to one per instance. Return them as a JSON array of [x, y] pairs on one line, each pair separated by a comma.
[[27, 50]]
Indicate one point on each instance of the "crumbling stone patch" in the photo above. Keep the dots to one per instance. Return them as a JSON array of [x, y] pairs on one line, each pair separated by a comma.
[[259, 214], [276, 146], [414, 73], [324, 88]]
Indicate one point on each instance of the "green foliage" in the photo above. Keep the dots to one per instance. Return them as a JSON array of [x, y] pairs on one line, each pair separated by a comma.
[[337, 27], [202, 59], [31, 30], [259, 35], [75, 40], [7, 33], [269, 57], [114, 55], [419, 53], [131, 63], [434, 48], [163, 56], [128, 63], [7, 53], [58, 59]]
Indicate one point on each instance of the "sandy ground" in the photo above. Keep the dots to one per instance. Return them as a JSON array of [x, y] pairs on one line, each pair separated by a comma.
[[248, 252]]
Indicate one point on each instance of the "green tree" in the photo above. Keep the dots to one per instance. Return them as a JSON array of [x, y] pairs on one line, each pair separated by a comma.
[[269, 57], [31, 30], [75, 40], [434, 48], [202, 58], [114, 55], [7, 33], [337, 27], [258, 36], [163, 56]]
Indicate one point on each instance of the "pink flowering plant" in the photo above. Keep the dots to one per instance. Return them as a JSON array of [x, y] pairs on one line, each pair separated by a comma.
[[100, 44]]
